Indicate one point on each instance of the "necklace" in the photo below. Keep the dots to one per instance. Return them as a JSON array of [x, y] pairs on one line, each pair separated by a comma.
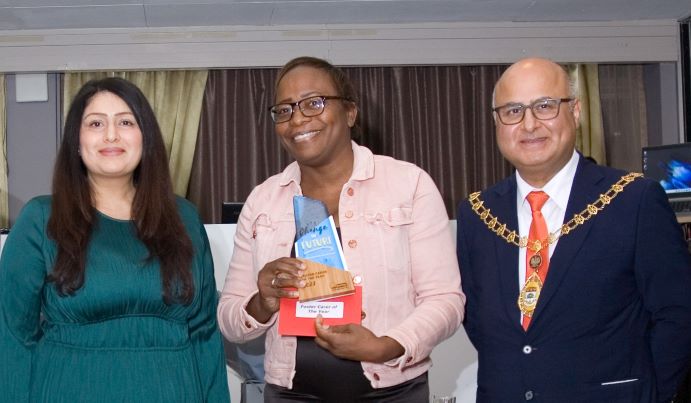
[[528, 297]]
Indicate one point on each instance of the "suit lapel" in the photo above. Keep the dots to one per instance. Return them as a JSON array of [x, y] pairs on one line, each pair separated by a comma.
[[504, 208], [583, 191]]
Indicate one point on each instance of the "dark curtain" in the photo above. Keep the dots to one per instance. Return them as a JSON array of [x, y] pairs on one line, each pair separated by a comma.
[[437, 117], [236, 147]]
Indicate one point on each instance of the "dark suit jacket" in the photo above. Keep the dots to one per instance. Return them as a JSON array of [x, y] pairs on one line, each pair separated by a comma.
[[616, 304]]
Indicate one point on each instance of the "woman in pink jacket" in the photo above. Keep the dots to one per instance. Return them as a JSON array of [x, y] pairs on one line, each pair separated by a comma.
[[396, 241]]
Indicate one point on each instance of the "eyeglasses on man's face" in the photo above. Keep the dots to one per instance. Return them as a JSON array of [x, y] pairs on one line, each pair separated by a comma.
[[543, 109], [309, 107]]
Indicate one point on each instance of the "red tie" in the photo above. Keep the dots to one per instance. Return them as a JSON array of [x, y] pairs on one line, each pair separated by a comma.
[[537, 262]]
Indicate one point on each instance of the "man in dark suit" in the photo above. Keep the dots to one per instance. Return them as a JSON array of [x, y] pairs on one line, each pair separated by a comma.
[[577, 276]]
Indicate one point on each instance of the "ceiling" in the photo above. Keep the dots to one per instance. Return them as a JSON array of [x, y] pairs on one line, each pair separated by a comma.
[[58, 14]]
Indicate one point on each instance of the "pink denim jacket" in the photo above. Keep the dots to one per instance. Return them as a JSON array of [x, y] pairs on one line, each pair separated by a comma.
[[396, 236]]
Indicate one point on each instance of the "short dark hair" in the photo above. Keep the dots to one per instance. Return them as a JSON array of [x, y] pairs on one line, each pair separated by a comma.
[[344, 87], [154, 209], [342, 83]]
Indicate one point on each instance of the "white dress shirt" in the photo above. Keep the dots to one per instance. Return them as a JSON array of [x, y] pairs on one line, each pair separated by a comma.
[[558, 189]]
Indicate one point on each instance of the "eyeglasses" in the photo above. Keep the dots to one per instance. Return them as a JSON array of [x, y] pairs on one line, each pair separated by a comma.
[[312, 106], [543, 109]]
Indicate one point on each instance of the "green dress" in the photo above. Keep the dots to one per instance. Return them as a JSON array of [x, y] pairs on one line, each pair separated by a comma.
[[114, 340]]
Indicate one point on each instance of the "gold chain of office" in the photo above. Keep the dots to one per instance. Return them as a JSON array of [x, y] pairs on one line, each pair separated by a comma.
[[536, 245]]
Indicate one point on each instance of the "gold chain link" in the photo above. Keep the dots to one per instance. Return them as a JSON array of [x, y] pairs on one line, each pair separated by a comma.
[[589, 212]]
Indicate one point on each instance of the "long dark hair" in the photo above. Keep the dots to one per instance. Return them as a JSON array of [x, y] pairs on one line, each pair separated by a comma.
[[154, 209]]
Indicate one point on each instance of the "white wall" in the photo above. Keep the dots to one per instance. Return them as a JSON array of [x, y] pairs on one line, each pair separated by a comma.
[[454, 361], [32, 143], [362, 44]]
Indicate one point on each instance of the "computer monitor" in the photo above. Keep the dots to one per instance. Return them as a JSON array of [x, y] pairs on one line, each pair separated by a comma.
[[230, 212], [670, 166]]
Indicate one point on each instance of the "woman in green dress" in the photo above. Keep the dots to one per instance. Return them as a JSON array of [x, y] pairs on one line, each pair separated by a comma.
[[107, 291]]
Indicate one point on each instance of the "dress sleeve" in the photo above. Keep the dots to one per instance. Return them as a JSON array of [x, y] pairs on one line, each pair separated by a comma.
[[22, 276], [204, 334]]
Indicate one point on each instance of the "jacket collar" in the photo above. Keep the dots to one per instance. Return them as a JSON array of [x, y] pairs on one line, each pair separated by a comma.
[[504, 206], [363, 167]]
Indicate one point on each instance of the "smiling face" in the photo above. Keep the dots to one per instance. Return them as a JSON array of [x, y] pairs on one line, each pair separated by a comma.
[[537, 148], [318, 140], [110, 141]]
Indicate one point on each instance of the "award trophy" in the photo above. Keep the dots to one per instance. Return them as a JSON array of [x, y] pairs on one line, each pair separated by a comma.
[[319, 247], [329, 290]]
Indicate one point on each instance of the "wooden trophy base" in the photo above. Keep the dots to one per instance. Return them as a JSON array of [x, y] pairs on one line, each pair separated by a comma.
[[324, 282]]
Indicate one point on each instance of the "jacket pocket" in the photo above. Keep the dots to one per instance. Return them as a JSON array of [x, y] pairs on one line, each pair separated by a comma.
[[628, 389], [390, 235], [263, 230]]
